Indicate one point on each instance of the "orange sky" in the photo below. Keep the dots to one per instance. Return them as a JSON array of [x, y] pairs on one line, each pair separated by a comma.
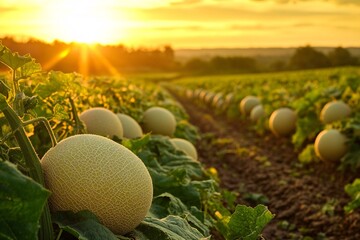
[[186, 23]]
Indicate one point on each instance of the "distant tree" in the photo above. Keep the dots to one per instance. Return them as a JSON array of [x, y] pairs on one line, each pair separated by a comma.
[[341, 57], [196, 65], [101, 59], [278, 65], [307, 58], [233, 64]]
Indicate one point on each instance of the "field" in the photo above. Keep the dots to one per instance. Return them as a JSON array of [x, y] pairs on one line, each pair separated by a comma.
[[249, 181], [306, 194]]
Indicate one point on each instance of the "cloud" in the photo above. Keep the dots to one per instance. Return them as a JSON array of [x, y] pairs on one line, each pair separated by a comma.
[[184, 28], [185, 2], [341, 2], [7, 9]]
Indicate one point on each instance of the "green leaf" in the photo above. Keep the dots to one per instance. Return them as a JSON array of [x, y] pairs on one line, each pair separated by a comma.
[[22, 202], [187, 131], [4, 89], [13, 60], [136, 144], [247, 223], [174, 172], [60, 113], [166, 204], [169, 228], [308, 155], [84, 225], [353, 190], [28, 69]]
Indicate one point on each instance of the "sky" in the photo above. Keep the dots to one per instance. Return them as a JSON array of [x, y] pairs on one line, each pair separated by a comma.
[[186, 23]]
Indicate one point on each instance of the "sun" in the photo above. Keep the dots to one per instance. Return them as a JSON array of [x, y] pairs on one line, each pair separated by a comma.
[[83, 21]]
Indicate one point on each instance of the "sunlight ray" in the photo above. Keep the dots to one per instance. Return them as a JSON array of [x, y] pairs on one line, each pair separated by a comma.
[[105, 62], [84, 60], [57, 58]]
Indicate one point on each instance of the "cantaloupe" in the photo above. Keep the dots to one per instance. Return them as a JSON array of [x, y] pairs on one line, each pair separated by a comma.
[[189, 93], [101, 121], [229, 98], [248, 103], [131, 127], [159, 120], [330, 145], [257, 112], [282, 121], [209, 97], [184, 145], [202, 95], [95, 173], [220, 104], [334, 111], [216, 99], [197, 93]]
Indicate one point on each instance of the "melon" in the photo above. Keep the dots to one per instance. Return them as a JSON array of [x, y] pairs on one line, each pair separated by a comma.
[[220, 104], [202, 95], [334, 111], [184, 145], [131, 127], [95, 173], [330, 145], [216, 99], [256, 113], [189, 93], [101, 121], [197, 93], [248, 103], [209, 97], [229, 98], [282, 121], [158, 120]]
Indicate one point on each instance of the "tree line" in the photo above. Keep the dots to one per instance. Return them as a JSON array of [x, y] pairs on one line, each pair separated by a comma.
[[94, 59], [104, 59], [305, 57]]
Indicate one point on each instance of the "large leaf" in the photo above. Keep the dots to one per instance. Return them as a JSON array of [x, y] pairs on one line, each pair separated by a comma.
[[174, 172], [13, 60], [247, 223], [22, 202], [169, 228], [83, 225], [166, 204]]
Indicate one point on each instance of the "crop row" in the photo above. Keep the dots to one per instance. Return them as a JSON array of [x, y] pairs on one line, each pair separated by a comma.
[[48, 156], [318, 110]]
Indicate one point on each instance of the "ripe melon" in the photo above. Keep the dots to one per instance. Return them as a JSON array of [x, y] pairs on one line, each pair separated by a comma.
[[95, 173], [101, 121], [216, 99], [330, 145], [202, 95], [248, 103], [229, 98], [334, 111], [189, 93], [131, 127], [158, 120], [282, 121], [184, 145], [209, 97], [220, 104], [256, 113]]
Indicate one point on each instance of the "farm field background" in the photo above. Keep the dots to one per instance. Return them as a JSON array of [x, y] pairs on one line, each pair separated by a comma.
[[241, 163], [180, 120], [308, 194]]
